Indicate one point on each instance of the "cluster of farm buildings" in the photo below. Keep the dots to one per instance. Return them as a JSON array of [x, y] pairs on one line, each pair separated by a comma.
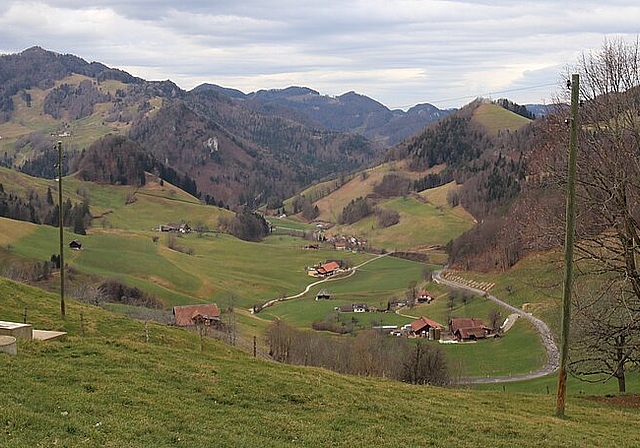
[[339, 242], [458, 329]]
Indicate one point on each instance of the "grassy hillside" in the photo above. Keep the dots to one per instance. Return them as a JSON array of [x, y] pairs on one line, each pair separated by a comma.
[[107, 386], [421, 225], [332, 200], [495, 118], [425, 218], [235, 273], [82, 132]]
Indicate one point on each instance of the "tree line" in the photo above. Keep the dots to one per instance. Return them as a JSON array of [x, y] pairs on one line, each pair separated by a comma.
[[369, 353], [35, 208]]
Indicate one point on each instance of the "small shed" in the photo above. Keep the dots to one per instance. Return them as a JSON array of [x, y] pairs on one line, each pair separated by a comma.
[[323, 295], [75, 244]]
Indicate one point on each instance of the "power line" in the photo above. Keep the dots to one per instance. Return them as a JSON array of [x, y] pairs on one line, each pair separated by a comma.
[[482, 95]]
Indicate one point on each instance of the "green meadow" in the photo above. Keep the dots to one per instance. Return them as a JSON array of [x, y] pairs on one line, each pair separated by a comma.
[[421, 224], [239, 274], [120, 382]]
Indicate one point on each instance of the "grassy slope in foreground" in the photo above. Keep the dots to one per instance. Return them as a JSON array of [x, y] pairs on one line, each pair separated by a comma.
[[111, 388]]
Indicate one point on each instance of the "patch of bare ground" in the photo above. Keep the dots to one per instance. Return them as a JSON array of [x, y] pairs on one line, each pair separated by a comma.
[[623, 401]]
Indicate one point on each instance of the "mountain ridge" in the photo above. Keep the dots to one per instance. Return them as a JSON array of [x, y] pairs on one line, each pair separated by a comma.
[[348, 112]]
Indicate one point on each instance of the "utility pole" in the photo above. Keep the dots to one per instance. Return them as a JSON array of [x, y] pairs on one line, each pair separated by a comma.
[[60, 225], [568, 247]]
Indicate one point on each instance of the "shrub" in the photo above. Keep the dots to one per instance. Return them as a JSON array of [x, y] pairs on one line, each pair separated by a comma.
[[354, 211], [387, 217], [393, 184]]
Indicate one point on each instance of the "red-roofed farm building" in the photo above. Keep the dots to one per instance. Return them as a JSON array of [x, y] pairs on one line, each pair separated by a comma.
[[201, 314]]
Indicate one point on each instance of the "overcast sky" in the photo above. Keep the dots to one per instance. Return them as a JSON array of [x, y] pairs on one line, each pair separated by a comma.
[[400, 53]]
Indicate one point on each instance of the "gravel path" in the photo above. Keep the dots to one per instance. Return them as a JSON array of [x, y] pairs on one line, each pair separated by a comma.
[[352, 271], [553, 356]]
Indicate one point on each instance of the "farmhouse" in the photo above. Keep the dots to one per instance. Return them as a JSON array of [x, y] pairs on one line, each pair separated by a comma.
[[201, 314], [172, 227], [424, 296], [353, 308], [325, 270], [425, 327], [469, 329]]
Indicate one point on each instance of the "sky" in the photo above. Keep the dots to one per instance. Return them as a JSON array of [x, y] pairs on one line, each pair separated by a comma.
[[400, 53]]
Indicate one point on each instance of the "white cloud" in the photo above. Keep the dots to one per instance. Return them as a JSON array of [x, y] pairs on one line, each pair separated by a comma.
[[398, 52]]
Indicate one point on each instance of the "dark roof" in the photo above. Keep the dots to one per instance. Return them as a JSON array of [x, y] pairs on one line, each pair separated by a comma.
[[468, 328], [184, 315], [471, 333], [458, 323]]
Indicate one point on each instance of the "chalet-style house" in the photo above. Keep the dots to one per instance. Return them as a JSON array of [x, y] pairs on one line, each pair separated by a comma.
[[201, 314], [469, 329], [422, 326], [424, 296], [325, 270]]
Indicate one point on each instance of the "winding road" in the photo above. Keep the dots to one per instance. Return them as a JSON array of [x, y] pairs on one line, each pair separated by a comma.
[[553, 356], [324, 280]]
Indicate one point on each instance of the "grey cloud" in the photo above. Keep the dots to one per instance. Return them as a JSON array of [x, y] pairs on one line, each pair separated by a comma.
[[399, 52]]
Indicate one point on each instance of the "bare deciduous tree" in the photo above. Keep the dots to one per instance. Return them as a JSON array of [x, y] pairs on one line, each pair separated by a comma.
[[606, 335], [608, 198], [425, 363]]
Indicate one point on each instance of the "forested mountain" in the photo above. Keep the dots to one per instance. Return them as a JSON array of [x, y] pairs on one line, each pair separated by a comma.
[[233, 149], [350, 112], [236, 153], [533, 220], [489, 167]]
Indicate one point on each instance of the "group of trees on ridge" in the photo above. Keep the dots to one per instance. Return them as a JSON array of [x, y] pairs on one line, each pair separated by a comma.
[[44, 210]]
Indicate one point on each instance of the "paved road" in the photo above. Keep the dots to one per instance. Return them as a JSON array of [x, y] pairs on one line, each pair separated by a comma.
[[553, 356]]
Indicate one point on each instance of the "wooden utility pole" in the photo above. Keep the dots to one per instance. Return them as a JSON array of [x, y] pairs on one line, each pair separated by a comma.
[[568, 247], [60, 225]]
